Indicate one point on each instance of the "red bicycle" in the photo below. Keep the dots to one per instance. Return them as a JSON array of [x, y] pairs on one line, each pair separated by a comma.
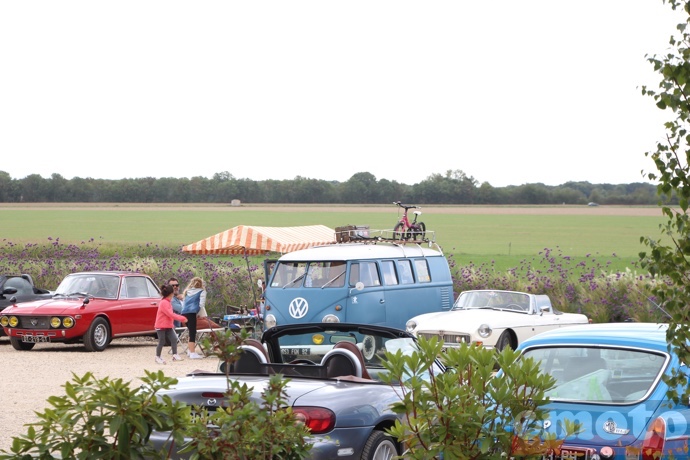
[[406, 230]]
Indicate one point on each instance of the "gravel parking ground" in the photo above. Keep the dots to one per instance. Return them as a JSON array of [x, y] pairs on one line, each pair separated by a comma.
[[29, 378]]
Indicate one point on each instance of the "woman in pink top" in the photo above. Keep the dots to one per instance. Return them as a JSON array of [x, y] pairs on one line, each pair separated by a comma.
[[164, 324]]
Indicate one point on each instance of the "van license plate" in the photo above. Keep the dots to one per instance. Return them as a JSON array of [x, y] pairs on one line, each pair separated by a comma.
[[296, 351], [35, 338]]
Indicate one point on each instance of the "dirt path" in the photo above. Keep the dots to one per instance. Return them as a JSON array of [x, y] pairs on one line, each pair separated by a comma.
[[29, 378]]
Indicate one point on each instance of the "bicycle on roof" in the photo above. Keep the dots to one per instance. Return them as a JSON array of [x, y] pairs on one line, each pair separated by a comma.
[[406, 230]]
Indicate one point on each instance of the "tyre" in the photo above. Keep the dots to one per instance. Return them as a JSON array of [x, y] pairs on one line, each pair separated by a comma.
[[380, 446], [98, 335], [398, 231], [505, 340], [419, 231], [17, 344]]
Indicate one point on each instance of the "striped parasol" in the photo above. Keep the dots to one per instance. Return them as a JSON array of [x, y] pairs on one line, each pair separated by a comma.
[[252, 240]]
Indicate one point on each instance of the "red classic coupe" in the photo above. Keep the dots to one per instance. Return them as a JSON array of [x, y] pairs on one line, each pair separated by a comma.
[[88, 307]]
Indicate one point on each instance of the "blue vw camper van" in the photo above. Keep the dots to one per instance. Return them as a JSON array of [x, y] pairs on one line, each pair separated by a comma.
[[381, 283]]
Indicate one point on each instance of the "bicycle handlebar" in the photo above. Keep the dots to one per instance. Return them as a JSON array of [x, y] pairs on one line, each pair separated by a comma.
[[406, 206]]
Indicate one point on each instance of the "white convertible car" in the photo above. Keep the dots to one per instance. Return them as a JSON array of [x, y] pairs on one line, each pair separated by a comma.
[[494, 319]]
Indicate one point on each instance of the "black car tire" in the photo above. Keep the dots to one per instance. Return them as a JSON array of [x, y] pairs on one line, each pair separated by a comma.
[[380, 446], [505, 340], [17, 344], [98, 335]]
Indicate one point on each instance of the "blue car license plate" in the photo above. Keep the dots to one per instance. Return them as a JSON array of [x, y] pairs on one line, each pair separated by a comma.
[[571, 453]]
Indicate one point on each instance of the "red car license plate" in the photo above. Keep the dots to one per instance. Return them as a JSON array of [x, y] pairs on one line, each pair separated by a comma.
[[571, 453], [35, 338]]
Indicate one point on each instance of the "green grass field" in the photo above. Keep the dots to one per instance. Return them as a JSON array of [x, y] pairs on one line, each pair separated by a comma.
[[501, 237]]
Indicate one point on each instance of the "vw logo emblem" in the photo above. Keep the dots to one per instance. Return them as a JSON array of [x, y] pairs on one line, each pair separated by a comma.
[[298, 307]]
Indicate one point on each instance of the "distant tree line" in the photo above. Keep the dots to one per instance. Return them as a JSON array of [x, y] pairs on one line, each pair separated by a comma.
[[453, 187]]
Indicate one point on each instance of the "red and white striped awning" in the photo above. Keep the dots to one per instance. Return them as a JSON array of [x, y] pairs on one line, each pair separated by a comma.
[[251, 240]]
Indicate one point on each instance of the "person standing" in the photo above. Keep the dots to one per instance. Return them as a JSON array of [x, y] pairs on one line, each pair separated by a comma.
[[193, 306], [164, 324], [177, 298]]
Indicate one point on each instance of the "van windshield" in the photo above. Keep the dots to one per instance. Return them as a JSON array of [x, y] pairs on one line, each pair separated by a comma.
[[322, 274]]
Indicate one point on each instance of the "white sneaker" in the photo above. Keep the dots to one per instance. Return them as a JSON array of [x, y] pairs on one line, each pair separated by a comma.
[[195, 356], [177, 358], [160, 360]]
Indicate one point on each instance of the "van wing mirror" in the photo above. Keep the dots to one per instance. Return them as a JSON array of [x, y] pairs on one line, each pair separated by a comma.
[[358, 287]]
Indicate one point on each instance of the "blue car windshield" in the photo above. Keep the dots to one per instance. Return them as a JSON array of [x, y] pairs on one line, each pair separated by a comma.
[[600, 375]]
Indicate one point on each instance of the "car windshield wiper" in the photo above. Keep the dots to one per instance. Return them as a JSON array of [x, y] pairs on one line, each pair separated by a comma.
[[295, 280], [80, 294], [330, 281]]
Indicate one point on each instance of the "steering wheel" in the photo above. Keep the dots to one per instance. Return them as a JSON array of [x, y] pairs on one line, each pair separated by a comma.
[[514, 306], [303, 361]]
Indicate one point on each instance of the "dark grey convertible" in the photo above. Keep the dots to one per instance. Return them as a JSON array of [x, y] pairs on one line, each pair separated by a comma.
[[334, 371]]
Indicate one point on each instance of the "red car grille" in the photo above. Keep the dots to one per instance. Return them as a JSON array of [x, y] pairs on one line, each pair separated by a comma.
[[34, 322]]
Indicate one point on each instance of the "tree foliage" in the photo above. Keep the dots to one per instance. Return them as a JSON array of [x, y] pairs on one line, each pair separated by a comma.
[[452, 187], [467, 413], [669, 262]]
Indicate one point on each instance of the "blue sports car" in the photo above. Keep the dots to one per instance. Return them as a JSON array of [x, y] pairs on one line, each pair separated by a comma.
[[335, 386], [609, 379]]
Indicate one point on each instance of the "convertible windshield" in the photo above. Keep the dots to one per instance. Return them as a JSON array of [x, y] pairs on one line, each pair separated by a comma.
[[95, 285], [503, 300], [600, 375]]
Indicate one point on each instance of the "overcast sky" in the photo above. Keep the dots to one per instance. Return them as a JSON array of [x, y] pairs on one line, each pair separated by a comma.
[[510, 92]]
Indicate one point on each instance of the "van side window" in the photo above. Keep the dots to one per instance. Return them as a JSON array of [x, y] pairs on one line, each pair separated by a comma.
[[405, 270], [422, 270], [366, 273], [388, 272]]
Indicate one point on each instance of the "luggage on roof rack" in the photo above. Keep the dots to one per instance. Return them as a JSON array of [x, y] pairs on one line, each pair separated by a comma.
[[349, 233]]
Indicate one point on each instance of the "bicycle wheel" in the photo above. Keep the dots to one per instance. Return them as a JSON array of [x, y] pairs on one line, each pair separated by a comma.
[[398, 231], [419, 231]]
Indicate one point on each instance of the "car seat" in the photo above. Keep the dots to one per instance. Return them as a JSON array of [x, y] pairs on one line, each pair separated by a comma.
[[345, 359], [250, 360]]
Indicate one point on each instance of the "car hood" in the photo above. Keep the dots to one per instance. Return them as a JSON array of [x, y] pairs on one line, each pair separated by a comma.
[[50, 306], [468, 320]]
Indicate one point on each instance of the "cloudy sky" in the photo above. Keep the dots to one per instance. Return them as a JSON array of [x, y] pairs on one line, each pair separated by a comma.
[[508, 92]]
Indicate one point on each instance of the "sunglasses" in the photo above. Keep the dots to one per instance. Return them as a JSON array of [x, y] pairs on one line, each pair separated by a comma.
[[175, 285]]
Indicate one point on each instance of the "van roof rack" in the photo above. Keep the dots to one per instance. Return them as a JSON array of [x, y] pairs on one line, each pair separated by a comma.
[[363, 234]]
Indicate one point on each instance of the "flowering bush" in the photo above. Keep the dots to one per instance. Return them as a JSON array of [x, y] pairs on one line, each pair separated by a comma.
[[582, 287]]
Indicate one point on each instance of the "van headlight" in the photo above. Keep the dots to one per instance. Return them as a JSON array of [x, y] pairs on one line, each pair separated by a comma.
[[270, 321], [330, 319], [411, 325]]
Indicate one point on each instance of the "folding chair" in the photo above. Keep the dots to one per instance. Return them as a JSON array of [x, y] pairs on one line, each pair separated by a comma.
[[203, 333], [182, 340]]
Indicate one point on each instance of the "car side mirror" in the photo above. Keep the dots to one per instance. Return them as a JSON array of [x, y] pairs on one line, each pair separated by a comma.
[[358, 287], [13, 299]]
